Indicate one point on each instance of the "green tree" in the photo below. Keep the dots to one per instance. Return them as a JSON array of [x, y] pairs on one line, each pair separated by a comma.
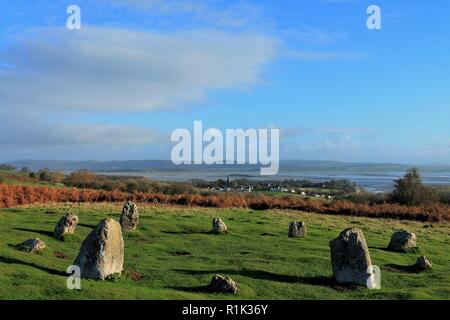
[[410, 190], [44, 175], [7, 167], [25, 170]]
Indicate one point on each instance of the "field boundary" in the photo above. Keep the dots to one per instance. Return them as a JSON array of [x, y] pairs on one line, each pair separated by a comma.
[[11, 196]]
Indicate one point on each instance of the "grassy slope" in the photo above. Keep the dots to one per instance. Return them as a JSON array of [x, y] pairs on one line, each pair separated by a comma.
[[266, 267], [18, 178]]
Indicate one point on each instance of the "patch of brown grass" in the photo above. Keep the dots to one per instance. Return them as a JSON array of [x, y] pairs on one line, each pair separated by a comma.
[[11, 196]]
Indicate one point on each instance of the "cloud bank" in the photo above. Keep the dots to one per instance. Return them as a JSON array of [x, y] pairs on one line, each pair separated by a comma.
[[56, 73], [116, 70]]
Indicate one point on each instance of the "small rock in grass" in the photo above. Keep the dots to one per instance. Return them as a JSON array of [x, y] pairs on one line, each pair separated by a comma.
[[32, 245], [59, 255], [423, 264], [297, 229], [66, 225], [221, 284], [402, 241], [135, 276], [219, 226]]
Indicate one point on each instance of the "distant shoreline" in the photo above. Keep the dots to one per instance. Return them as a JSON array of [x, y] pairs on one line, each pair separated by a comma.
[[372, 177], [372, 182]]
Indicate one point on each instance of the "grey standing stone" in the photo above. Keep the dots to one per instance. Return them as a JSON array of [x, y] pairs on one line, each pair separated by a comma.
[[402, 241], [423, 264], [350, 258], [219, 226], [129, 219], [297, 229], [102, 252], [66, 225], [221, 284]]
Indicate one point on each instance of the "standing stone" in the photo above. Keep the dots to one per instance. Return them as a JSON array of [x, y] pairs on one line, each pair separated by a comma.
[[221, 284], [402, 241], [350, 258], [423, 263], [101, 254], [130, 216], [297, 229], [219, 226], [66, 225], [31, 245]]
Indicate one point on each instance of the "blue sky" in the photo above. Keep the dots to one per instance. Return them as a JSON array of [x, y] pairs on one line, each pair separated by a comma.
[[139, 69]]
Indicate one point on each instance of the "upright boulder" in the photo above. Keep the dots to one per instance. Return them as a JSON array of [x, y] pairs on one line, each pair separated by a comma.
[[423, 264], [297, 229], [221, 284], [402, 241], [218, 226], [66, 225], [101, 254], [350, 258], [129, 219], [31, 245]]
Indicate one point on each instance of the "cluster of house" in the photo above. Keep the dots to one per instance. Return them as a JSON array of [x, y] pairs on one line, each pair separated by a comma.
[[302, 193], [232, 187], [245, 189]]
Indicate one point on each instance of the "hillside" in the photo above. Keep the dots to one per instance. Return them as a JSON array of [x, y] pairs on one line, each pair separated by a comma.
[[172, 255], [285, 165]]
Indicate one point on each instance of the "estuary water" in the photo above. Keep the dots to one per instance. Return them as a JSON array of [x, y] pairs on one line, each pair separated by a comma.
[[375, 181]]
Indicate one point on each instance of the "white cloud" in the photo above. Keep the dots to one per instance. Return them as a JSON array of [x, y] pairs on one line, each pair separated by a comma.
[[318, 55], [345, 143], [114, 70], [228, 14], [26, 131], [56, 73], [315, 36], [323, 143], [51, 77], [166, 6]]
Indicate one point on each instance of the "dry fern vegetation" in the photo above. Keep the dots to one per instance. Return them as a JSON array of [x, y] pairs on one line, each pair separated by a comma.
[[14, 195]]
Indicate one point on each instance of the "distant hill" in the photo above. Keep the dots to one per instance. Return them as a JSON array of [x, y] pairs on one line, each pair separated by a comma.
[[150, 165], [98, 166]]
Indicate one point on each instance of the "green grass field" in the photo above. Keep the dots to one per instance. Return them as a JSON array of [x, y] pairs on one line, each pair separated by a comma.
[[172, 255]]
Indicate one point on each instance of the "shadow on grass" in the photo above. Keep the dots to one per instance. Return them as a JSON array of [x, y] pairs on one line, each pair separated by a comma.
[[180, 253], [268, 234], [28, 264], [264, 275], [187, 232], [400, 268], [41, 232], [414, 250], [380, 248], [198, 289], [85, 225]]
